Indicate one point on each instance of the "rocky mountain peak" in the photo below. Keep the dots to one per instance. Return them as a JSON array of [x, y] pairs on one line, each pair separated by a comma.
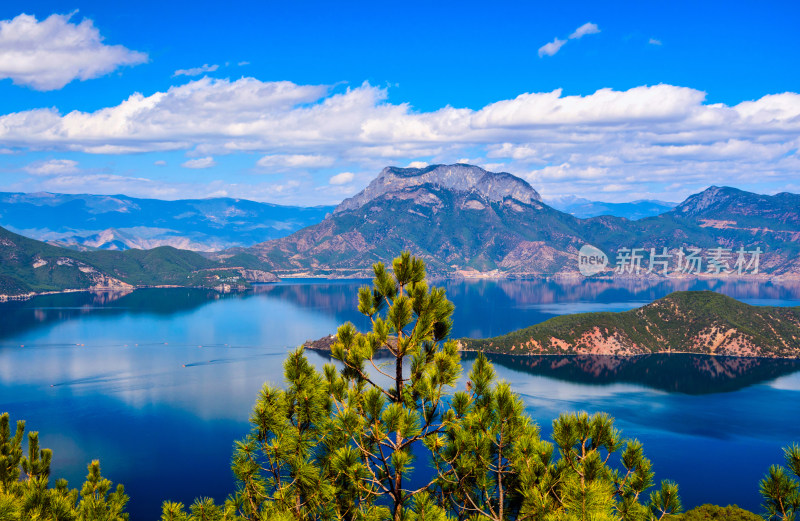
[[710, 198], [458, 177], [722, 206]]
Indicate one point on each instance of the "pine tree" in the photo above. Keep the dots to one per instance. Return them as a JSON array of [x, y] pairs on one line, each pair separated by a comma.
[[709, 512], [98, 503], [484, 447], [386, 409], [283, 465], [10, 452], [780, 488], [339, 446], [203, 509], [590, 488], [24, 485], [173, 511], [493, 464]]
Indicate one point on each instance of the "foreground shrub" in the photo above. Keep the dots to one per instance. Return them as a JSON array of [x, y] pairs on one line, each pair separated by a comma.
[[714, 512], [24, 485]]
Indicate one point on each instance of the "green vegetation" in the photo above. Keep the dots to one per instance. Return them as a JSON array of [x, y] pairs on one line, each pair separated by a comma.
[[687, 321], [494, 466], [714, 512], [780, 488], [28, 266], [25, 493]]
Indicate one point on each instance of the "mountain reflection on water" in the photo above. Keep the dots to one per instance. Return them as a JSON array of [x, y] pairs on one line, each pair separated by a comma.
[[484, 308], [678, 373]]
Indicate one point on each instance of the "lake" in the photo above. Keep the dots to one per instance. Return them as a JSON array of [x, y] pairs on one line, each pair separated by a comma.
[[157, 384]]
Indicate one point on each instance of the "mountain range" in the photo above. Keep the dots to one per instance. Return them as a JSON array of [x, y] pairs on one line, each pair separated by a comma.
[[119, 222], [633, 210], [462, 220], [465, 221]]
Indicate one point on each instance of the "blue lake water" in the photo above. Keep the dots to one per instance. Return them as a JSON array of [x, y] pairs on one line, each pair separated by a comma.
[[158, 384]]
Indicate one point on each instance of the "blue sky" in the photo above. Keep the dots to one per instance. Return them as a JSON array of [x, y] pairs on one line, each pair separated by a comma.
[[303, 103]]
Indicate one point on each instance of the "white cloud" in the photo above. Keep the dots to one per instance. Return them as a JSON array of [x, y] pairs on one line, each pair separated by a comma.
[[616, 187], [549, 49], [583, 30], [417, 164], [243, 113], [160, 162], [563, 144], [243, 63], [653, 41], [52, 167], [279, 162], [49, 54], [287, 192], [102, 183], [200, 162], [196, 71], [341, 179]]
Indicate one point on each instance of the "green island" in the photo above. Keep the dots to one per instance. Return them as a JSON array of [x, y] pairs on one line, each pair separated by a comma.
[[344, 443], [700, 322]]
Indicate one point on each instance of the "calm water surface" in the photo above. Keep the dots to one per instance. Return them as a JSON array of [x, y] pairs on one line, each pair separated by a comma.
[[158, 384]]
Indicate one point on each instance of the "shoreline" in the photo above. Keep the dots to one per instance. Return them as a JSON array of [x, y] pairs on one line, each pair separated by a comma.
[[495, 275], [28, 296], [323, 345], [434, 277]]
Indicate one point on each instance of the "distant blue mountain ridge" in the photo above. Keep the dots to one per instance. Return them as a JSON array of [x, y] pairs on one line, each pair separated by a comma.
[[634, 210], [119, 222]]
